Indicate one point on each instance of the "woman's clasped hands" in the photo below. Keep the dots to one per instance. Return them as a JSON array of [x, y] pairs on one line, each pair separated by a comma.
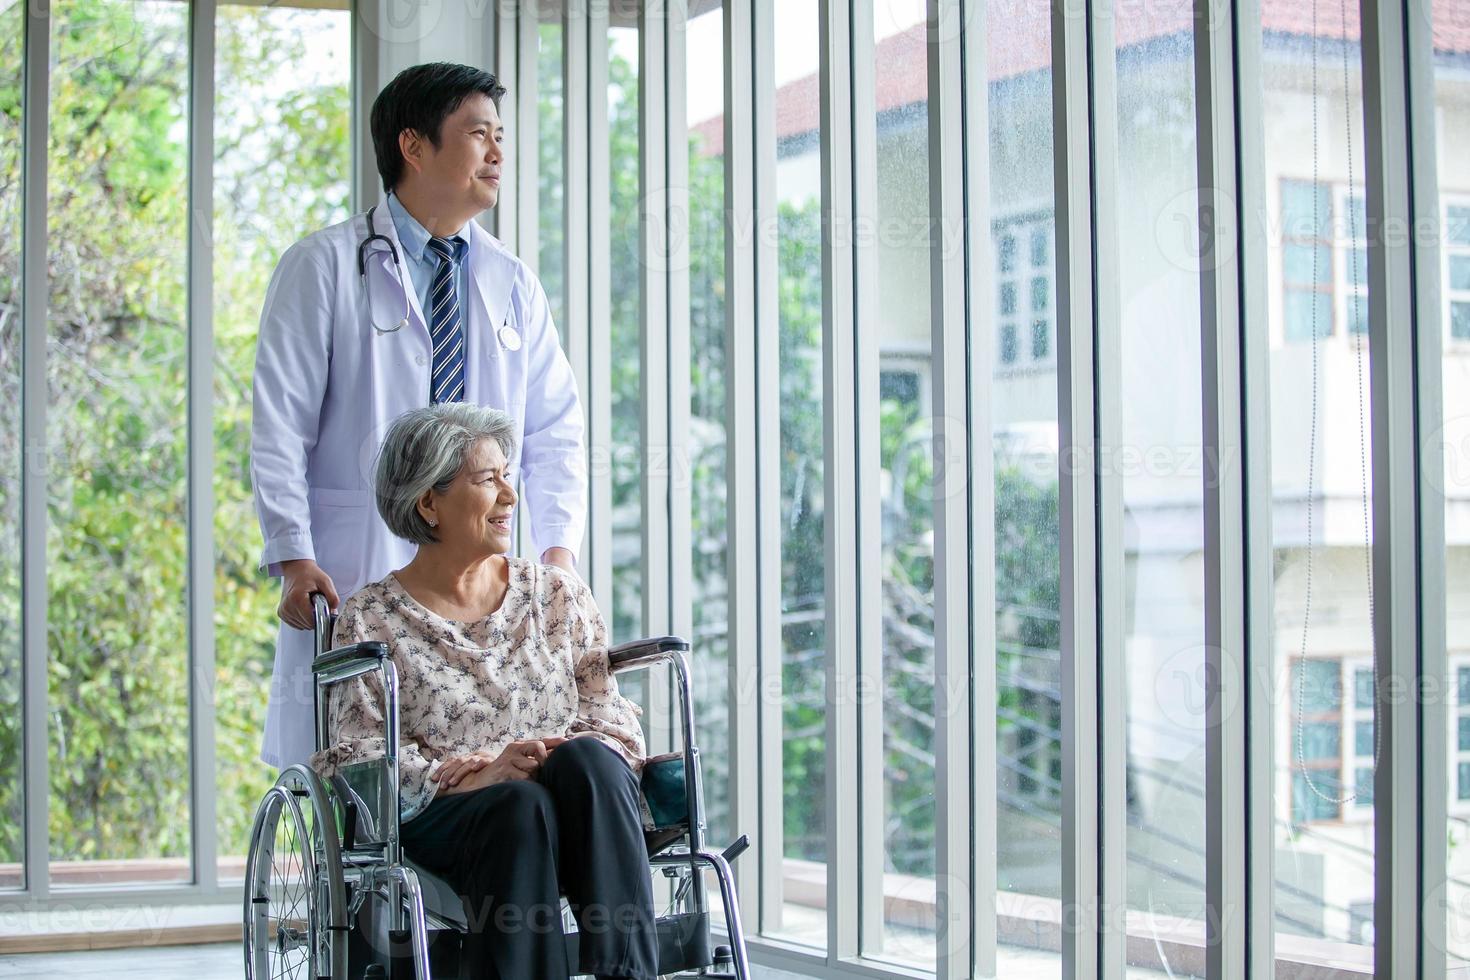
[[476, 770]]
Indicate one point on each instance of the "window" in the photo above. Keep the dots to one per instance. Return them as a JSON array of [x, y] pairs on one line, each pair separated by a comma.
[[1323, 810], [1460, 720], [118, 732], [704, 52], [906, 863], [1457, 266], [1027, 272], [282, 124], [1359, 747], [1306, 255], [1162, 652], [1350, 246], [12, 792], [803, 565], [626, 325], [1318, 730]]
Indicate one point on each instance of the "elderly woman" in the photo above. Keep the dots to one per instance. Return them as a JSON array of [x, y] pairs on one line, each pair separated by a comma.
[[517, 753]]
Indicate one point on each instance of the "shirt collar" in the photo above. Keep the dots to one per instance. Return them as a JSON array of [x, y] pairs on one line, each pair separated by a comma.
[[414, 237]]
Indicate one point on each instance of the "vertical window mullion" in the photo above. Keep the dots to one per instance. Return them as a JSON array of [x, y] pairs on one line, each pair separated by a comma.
[[653, 289], [199, 453], [678, 562], [576, 331], [1408, 533], [867, 503], [1427, 211], [744, 510], [35, 290], [506, 52], [952, 555], [844, 870], [1257, 693], [973, 213], [770, 840], [1090, 496], [1111, 704], [597, 393], [525, 23]]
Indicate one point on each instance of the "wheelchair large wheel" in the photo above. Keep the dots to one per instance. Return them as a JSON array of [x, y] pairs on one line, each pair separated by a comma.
[[295, 919]]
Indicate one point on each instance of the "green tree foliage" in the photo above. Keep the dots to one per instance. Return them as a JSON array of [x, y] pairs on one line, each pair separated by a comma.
[[118, 733]]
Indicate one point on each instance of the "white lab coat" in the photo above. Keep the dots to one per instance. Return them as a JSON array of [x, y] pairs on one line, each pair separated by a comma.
[[327, 386]]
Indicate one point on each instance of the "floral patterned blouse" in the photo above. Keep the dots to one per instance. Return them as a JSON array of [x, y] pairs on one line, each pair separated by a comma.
[[536, 667]]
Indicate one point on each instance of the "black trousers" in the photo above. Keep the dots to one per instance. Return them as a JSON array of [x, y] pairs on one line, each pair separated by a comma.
[[513, 848]]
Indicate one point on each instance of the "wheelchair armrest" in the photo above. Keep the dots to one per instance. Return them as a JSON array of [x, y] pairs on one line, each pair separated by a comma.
[[645, 652], [342, 656]]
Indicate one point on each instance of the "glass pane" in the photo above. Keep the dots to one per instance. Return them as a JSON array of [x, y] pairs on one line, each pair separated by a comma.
[[1318, 684], [551, 163], [1457, 231], [1023, 405], [118, 640], [1321, 740], [1363, 785], [1306, 210], [282, 148], [1460, 271], [1008, 348], [1362, 688], [1363, 738], [705, 96], [1306, 265], [1321, 500], [12, 799], [1040, 340], [1460, 321], [1306, 310], [905, 427], [1313, 800], [625, 321], [1163, 503], [803, 526], [1463, 723], [1357, 313]]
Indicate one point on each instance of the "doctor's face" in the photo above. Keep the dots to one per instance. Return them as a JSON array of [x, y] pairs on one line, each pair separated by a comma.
[[474, 514], [465, 170]]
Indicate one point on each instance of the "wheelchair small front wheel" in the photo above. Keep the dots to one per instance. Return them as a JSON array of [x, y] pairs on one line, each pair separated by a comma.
[[293, 885]]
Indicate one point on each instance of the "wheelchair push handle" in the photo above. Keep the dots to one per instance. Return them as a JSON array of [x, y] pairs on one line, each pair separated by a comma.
[[321, 622]]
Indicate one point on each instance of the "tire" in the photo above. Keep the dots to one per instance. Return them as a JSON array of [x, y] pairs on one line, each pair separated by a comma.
[[294, 907]]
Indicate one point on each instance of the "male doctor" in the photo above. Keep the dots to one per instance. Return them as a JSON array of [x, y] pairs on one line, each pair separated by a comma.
[[408, 304]]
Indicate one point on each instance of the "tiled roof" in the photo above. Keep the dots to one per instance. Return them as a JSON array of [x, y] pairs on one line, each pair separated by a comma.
[[1021, 42]]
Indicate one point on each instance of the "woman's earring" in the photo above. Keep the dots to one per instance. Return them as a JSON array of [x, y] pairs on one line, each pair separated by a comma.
[[433, 524]]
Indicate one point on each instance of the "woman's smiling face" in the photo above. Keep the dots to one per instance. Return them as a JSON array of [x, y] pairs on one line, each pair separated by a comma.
[[475, 512]]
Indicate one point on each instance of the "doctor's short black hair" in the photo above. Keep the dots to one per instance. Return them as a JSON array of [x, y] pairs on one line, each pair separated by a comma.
[[421, 98]]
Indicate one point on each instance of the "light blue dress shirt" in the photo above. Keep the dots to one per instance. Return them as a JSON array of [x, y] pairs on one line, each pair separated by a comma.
[[423, 261]]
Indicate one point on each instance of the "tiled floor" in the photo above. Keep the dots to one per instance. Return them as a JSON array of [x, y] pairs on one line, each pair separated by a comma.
[[222, 962]]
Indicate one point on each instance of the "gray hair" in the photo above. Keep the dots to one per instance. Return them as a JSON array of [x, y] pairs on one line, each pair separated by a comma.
[[424, 450]]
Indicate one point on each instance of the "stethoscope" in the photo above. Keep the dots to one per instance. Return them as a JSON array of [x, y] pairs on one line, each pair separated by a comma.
[[507, 335]]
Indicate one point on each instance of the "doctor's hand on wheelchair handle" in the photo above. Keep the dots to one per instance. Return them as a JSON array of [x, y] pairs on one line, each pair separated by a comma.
[[299, 579], [476, 770]]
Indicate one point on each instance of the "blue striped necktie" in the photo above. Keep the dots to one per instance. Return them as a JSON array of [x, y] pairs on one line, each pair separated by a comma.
[[446, 380]]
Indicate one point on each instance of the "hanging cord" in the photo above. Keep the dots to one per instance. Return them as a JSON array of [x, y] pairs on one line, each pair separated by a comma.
[[1362, 414]]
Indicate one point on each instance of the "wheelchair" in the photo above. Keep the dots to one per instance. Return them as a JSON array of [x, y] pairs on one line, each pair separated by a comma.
[[330, 895]]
